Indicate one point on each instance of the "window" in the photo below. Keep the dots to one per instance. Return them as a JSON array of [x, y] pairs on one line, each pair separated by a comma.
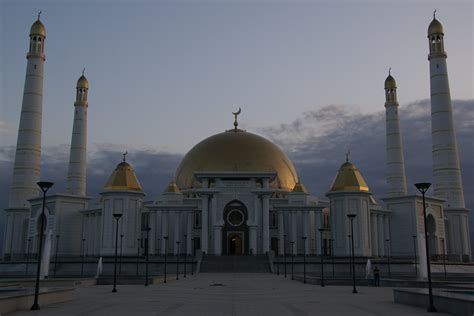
[[197, 219], [273, 219]]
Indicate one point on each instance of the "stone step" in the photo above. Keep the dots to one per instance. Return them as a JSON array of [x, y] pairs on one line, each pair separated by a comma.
[[241, 264]]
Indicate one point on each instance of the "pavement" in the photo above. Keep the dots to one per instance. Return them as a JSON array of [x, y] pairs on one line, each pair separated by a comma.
[[230, 294]]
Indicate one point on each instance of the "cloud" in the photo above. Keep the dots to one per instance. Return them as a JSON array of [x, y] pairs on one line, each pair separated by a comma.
[[316, 142]]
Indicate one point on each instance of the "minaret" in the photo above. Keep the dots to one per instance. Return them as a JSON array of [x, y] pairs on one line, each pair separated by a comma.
[[396, 179], [447, 181], [26, 170], [76, 179]]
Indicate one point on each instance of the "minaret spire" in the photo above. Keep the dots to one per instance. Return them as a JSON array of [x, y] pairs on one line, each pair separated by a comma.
[[76, 179], [26, 170], [396, 178]]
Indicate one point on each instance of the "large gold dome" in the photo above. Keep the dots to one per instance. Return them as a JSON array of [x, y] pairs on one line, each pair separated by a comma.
[[236, 150]]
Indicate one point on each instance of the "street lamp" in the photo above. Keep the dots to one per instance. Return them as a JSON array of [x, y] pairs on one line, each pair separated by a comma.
[[177, 260], [120, 262], [278, 256], [147, 230], [321, 230], [304, 258], [423, 187], [166, 250], [82, 256], [117, 218], [351, 217], [292, 243], [27, 255], [185, 252], [331, 242], [284, 252], [138, 252], [414, 251], [57, 247], [444, 257], [388, 257], [44, 186]]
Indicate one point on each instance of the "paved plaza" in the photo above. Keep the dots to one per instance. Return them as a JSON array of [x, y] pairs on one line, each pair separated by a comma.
[[230, 294]]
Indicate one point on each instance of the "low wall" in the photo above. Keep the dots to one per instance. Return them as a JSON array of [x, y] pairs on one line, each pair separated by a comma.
[[23, 301]]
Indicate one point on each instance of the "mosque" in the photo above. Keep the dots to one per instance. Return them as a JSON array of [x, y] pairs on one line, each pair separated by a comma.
[[237, 193]]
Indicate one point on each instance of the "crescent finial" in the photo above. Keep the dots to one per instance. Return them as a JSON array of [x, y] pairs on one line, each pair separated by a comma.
[[434, 14], [389, 70], [39, 15], [124, 155], [235, 118]]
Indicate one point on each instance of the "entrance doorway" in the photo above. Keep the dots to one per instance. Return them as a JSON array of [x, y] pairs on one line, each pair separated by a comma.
[[235, 242]]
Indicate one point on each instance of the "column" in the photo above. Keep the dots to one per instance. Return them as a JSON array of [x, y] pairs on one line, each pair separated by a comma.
[[306, 231], [317, 215], [281, 232], [205, 224], [177, 235], [265, 224], [253, 240], [217, 240], [189, 232], [381, 241], [293, 232], [164, 231], [375, 244]]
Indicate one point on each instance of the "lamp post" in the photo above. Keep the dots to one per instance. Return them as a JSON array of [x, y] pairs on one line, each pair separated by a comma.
[[147, 230], [120, 261], [158, 246], [331, 242], [388, 256], [292, 243], [82, 255], [138, 252], [185, 253], [423, 187], [321, 230], [304, 258], [27, 256], [351, 217], [166, 250], [56, 259], [414, 251], [177, 260], [278, 256], [117, 218], [284, 252], [44, 186]]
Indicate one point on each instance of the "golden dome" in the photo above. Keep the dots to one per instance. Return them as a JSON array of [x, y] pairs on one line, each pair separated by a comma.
[[123, 178], [172, 188], [299, 188], [390, 82], [38, 29], [349, 178], [82, 82], [435, 28], [236, 150]]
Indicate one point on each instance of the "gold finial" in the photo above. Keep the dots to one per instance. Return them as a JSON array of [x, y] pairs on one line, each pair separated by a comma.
[[235, 118], [84, 69], [348, 154], [39, 15], [124, 155], [434, 14], [389, 70]]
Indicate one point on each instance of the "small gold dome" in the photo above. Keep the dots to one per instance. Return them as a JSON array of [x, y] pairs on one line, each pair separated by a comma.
[[435, 28], [123, 178], [82, 83], [349, 178], [38, 29], [236, 150], [172, 188], [390, 82], [299, 188]]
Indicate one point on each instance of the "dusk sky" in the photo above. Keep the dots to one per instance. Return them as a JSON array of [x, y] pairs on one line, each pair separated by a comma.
[[163, 75]]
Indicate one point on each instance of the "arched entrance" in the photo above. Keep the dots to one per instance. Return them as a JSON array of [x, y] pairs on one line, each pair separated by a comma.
[[235, 239], [432, 240]]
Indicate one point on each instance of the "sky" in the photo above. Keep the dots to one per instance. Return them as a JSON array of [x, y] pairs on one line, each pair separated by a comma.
[[164, 75]]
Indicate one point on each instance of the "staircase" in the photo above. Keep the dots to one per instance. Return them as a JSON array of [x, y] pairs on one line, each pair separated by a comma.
[[236, 264]]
